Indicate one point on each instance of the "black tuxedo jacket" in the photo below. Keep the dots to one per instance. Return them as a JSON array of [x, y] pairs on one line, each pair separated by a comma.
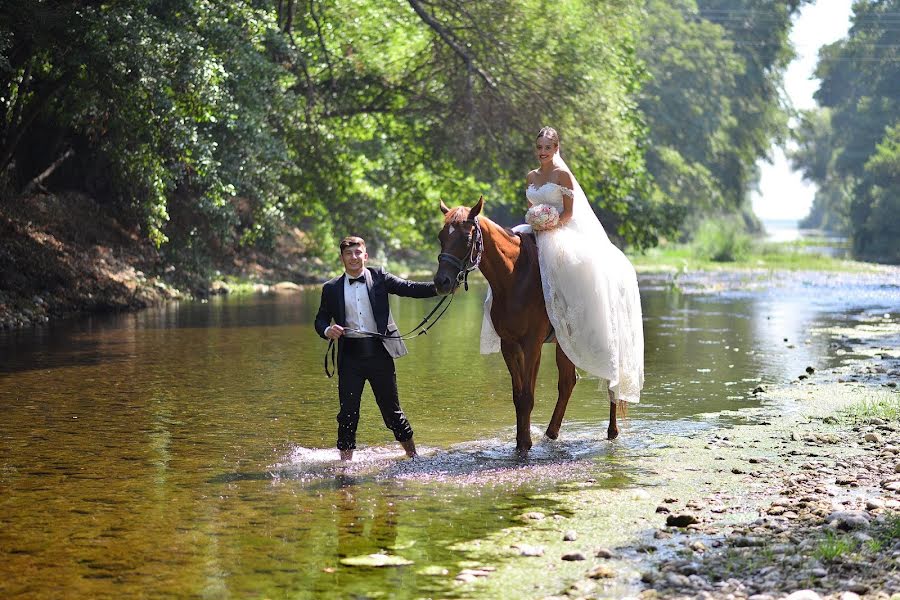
[[379, 283]]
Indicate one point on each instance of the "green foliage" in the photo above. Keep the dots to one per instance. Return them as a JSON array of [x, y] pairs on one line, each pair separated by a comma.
[[851, 151], [712, 103], [721, 240], [216, 125]]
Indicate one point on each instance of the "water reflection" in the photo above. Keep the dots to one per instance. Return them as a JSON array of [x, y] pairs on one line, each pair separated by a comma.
[[189, 450]]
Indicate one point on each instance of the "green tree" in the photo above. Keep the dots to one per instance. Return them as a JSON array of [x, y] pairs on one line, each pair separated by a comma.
[[861, 87]]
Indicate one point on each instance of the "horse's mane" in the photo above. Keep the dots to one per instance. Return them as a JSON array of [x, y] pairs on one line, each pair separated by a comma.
[[457, 215]]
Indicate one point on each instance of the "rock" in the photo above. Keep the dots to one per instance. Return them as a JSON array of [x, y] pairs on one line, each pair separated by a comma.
[[682, 520], [662, 509], [848, 520], [529, 550], [803, 595], [376, 560], [533, 516], [810, 370], [466, 574], [570, 536], [286, 287], [601, 572], [604, 553], [747, 541], [219, 287], [676, 580], [849, 596], [872, 437], [892, 486], [573, 556], [874, 503]]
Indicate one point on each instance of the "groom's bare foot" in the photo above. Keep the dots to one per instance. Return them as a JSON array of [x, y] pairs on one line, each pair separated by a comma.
[[410, 447]]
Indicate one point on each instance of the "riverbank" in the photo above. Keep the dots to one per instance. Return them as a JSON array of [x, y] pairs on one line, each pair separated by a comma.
[[799, 498], [50, 269]]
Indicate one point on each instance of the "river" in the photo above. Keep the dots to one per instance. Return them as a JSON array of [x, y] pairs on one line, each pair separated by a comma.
[[188, 450]]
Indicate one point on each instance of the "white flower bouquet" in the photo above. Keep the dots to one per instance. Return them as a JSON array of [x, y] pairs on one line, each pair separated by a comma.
[[542, 217]]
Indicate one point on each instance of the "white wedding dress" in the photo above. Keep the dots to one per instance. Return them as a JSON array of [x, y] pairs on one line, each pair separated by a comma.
[[591, 293]]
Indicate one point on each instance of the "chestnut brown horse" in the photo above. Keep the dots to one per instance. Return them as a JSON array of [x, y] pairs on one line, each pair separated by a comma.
[[509, 261]]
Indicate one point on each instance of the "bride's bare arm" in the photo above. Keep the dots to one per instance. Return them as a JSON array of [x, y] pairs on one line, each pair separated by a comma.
[[565, 180]]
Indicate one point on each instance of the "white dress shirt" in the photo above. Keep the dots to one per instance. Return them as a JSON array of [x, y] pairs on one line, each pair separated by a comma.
[[357, 308]]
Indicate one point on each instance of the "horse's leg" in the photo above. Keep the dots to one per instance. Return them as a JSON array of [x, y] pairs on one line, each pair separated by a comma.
[[515, 362], [565, 385], [523, 363], [612, 432]]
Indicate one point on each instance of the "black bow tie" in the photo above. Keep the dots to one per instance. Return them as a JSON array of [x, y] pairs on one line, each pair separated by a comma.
[[360, 279]]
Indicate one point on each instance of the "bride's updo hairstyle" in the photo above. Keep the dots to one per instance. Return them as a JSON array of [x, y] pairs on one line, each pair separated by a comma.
[[550, 134]]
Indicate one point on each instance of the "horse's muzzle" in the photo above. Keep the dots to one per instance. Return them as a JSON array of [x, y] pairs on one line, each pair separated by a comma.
[[444, 284]]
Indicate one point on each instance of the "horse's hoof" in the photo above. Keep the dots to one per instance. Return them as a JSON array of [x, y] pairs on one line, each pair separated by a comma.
[[552, 434], [612, 434]]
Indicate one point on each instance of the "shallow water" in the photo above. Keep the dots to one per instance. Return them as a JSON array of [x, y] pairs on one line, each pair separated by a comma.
[[187, 451]]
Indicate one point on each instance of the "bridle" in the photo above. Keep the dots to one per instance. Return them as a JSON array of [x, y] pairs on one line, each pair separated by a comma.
[[472, 257]]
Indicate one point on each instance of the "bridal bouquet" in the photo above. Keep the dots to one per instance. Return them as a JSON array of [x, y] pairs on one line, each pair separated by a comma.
[[542, 217]]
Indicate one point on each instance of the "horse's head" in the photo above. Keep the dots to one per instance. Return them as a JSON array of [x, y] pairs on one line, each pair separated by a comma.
[[460, 246]]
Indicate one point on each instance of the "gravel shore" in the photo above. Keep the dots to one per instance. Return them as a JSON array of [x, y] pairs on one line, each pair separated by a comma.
[[800, 501]]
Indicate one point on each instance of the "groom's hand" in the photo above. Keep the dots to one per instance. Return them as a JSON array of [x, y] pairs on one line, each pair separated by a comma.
[[333, 332]]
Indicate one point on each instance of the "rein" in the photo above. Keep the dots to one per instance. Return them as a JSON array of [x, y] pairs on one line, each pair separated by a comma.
[[331, 351]]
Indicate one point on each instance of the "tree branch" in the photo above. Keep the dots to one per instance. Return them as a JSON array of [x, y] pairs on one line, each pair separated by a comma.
[[448, 39], [39, 180]]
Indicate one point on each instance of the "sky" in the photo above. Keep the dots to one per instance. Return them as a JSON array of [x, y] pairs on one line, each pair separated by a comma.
[[782, 192]]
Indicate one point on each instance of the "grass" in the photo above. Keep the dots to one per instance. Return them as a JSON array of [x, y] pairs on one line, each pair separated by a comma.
[[788, 256], [834, 546], [881, 405]]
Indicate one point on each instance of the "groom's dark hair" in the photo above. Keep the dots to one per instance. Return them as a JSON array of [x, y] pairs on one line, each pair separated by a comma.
[[352, 240]]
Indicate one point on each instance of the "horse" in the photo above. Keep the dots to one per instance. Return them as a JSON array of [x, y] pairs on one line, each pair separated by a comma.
[[509, 262]]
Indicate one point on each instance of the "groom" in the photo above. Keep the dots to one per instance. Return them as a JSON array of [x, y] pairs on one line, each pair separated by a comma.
[[357, 301]]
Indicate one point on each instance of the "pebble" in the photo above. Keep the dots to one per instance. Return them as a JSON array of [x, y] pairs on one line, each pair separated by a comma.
[[529, 550], [573, 556], [570, 536], [604, 553], [682, 520], [874, 503], [533, 516], [804, 595], [601, 572]]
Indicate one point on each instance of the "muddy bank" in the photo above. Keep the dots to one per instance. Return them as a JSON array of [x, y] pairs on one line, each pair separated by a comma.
[[800, 496], [62, 255]]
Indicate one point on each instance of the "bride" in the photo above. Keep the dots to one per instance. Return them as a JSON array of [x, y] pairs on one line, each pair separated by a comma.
[[590, 287]]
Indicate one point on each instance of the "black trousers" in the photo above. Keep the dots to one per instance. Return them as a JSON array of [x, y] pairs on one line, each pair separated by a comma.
[[362, 360]]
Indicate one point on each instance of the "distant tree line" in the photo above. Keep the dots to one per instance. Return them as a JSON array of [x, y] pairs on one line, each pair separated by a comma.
[[215, 125], [850, 145]]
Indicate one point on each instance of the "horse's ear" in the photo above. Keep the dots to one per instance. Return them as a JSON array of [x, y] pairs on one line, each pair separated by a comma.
[[476, 210], [444, 208]]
